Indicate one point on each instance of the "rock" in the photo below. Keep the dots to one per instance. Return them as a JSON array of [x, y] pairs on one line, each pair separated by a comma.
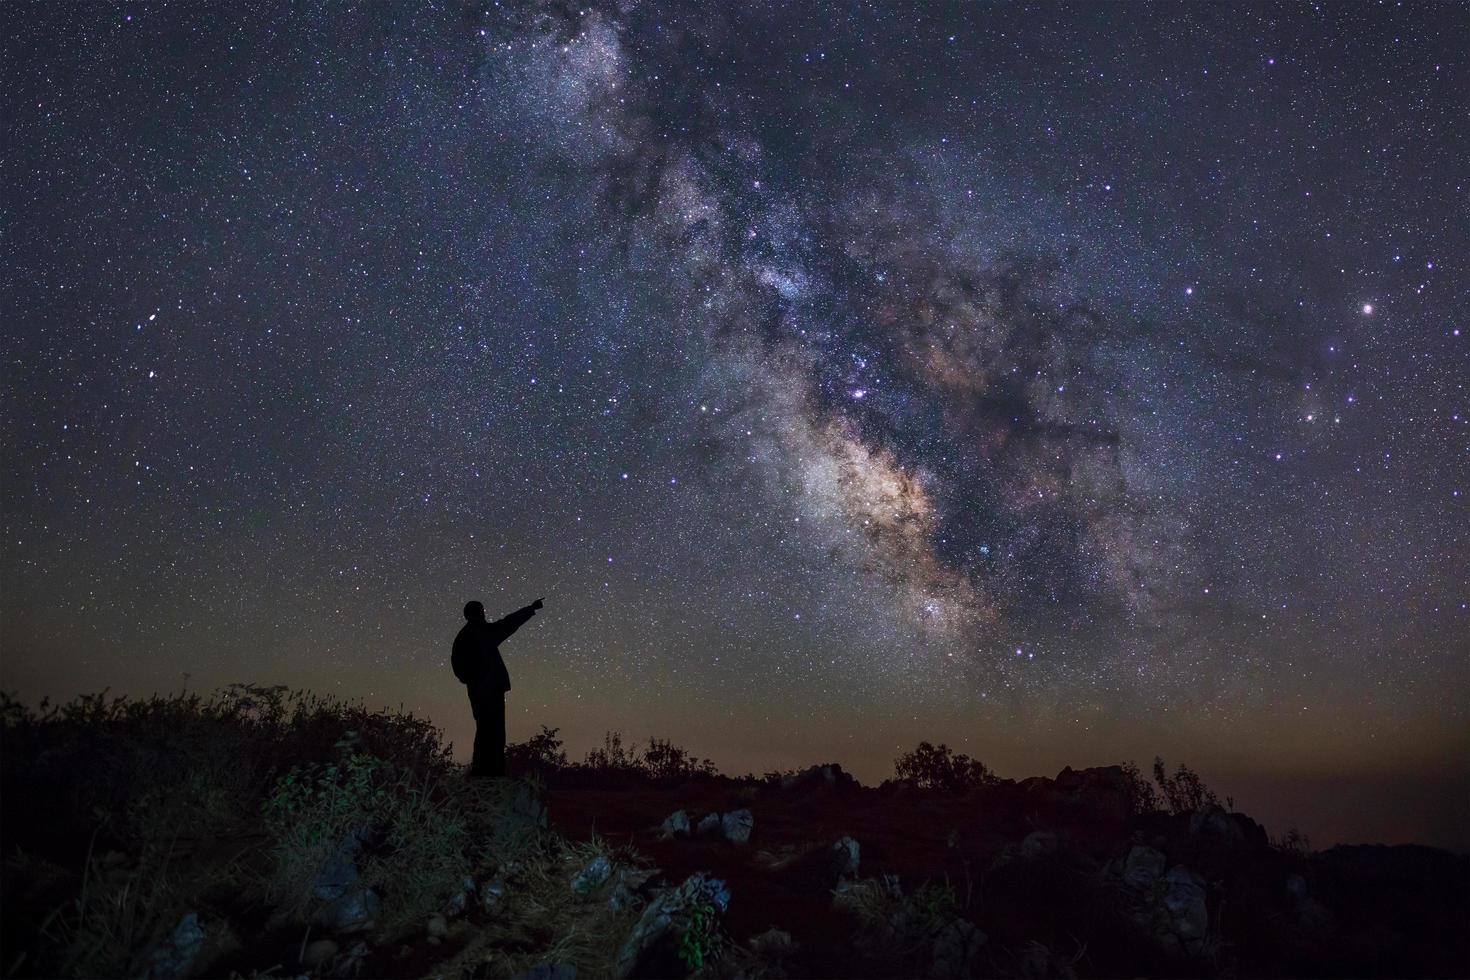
[[849, 895], [592, 877], [829, 776], [845, 852], [1253, 833], [1142, 867], [625, 887], [737, 825], [822, 868], [1213, 821], [460, 900], [1314, 919], [1184, 900], [437, 926], [1296, 886], [772, 944], [1103, 792], [956, 951], [651, 946], [518, 823], [708, 824], [318, 952], [175, 956], [676, 824], [549, 971], [433, 940], [1039, 843], [492, 895], [338, 875], [352, 911], [899, 788], [340, 872]]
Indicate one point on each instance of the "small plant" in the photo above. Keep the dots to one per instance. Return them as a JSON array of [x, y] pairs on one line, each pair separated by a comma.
[[542, 753], [1142, 797], [701, 939], [613, 757], [661, 760], [1184, 791], [1293, 842], [665, 760]]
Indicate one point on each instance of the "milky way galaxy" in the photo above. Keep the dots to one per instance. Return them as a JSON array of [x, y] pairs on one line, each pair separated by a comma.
[[1067, 383]]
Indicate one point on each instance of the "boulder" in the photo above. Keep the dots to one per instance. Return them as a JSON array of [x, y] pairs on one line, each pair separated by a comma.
[[736, 826], [1214, 822], [1188, 917], [829, 776], [351, 911], [318, 952], [1103, 793], [1039, 843], [773, 944], [1142, 867], [626, 885], [549, 971], [821, 869], [175, 956], [592, 877], [460, 900], [845, 853], [437, 926], [956, 951], [492, 895], [651, 948], [518, 822], [708, 825], [675, 824], [1251, 832]]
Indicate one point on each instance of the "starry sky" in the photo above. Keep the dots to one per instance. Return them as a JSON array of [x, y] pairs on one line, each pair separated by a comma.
[[1066, 383]]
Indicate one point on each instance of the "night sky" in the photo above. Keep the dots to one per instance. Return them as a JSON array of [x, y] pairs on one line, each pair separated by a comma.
[[1069, 384]]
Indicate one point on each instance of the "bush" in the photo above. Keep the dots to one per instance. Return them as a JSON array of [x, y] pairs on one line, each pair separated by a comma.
[[541, 754], [931, 767], [1293, 843], [667, 761], [1185, 791], [662, 760], [1142, 797]]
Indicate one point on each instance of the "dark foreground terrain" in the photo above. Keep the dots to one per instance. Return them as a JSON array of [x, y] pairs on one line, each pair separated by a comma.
[[265, 833]]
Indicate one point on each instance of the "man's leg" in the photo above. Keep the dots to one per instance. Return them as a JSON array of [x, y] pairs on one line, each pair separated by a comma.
[[480, 761], [494, 727]]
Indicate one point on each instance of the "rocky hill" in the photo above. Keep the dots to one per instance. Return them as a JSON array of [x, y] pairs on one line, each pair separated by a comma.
[[263, 833]]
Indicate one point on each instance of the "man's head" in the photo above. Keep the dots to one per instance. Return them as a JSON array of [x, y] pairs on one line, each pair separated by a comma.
[[474, 612]]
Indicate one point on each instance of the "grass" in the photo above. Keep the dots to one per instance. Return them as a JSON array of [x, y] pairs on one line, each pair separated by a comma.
[[123, 815]]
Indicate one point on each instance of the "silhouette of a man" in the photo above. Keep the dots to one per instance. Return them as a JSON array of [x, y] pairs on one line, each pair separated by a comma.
[[477, 663]]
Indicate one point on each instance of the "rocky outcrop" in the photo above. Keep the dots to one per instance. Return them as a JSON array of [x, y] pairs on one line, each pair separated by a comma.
[[651, 948]]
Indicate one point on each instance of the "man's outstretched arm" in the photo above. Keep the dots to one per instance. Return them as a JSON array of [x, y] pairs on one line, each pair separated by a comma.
[[502, 628]]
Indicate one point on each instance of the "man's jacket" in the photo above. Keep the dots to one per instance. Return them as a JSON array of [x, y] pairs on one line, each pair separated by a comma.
[[476, 659]]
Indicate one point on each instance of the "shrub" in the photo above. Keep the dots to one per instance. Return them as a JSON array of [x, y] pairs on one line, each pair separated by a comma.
[[541, 754], [1293, 843], [613, 758], [1185, 791], [662, 760], [937, 767], [665, 760], [1142, 797]]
